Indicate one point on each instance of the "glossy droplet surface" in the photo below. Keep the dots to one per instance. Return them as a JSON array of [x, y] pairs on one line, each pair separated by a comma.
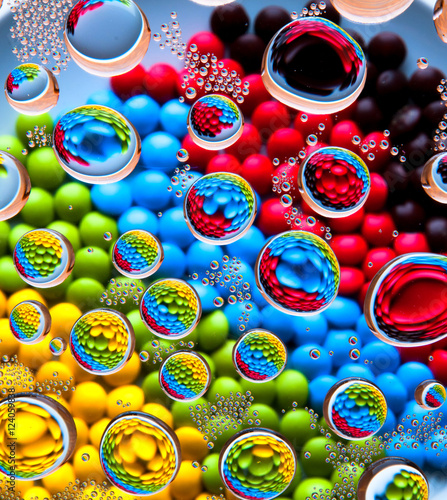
[[219, 208], [434, 178], [440, 19], [259, 356], [406, 302], [15, 186], [297, 272], [430, 394], [43, 258], [31, 89], [313, 65], [30, 321], [185, 376], [334, 182], [367, 12], [355, 408], [108, 37], [96, 144]]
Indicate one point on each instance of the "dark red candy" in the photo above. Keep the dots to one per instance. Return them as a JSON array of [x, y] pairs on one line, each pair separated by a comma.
[[405, 123], [423, 85], [198, 157], [350, 249], [270, 20], [368, 114], [375, 259], [258, 171], [351, 280], [229, 21], [257, 94], [271, 217], [378, 228], [347, 224], [410, 242], [419, 353], [436, 230], [160, 82], [309, 124], [409, 216], [270, 116], [379, 146], [392, 90], [224, 163], [438, 365], [285, 143], [207, 43], [248, 50], [377, 195], [387, 50], [249, 143], [129, 84], [342, 134]]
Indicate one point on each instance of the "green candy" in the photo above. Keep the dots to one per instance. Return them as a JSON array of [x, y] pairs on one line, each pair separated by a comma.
[[291, 386], [14, 147], [5, 229], [153, 393], [69, 231], [297, 419], [212, 331], [93, 226], [72, 201], [58, 291], [262, 393], [322, 487], [223, 386], [267, 415], [92, 262], [211, 478], [349, 473], [10, 281], [28, 122], [85, 293], [142, 334], [16, 233], [39, 209], [223, 359], [181, 412], [316, 464], [44, 169], [117, 290]]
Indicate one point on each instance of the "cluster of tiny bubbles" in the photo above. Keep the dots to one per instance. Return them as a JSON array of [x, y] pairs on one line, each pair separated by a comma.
[[196, 465], [259, 356], [409, 286], [246, 457], [220, 208], [55, 385], [102, 341], [430, 394], [211, 75], [392, 478], [223, 414], [15, 375], [182, 177], [31, 89], [160, 348], [314, 9], [139, 453], [16, 186], [92, 156], [38, 137], [298, 273], [38, 26], [298, 45], [215, 122], [170, 308], [227, 275], [171, 37], [440, 134], [43, 258], [30, 321], [434, 176], [119, 291], [44, 435], [355, 408]]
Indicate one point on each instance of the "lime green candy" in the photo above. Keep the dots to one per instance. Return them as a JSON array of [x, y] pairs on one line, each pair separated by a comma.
[[263, 416], [314, 454], [153, 393], [297, 419], [44, 169], [263, 393], [224, 386], [10, 281], [72, 201], [93, 226], [291, 387], [39, 209], [16, 233], [212, 331], [181, 411], [311, 486], [92, 262], [211, 479], [4, 233], [69, 231], [13, 146], [223, 359], [28, 122], [85, 293]]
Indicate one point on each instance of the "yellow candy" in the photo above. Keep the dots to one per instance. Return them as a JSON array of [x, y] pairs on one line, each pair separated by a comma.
[[192, 443], [161, 495], [63, 373], [127, 394], [188, 483], [204, 496], [63, 317], [89, 402], [60, 400], [160, 412], [9, 344], [21, 296], [79, 373], [82, 432], [127, 374], [59, 479], [36, 493], [88, 469], [97, 430], [2, 304], [34, 356], [23, 486]]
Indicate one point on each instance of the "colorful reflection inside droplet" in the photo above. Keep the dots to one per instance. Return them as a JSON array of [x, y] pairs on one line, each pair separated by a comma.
[[43, 436], [313, 65], [139, 453], [96, 144], [257, 464], [170, 308], [334, 182], [355, 408], [16, 186], [298, 273], [219, 208], [102, 341], [30, 321], [43, 258], [434, 177], [406, 302], [430, 394], [185, 376], [259, 356]]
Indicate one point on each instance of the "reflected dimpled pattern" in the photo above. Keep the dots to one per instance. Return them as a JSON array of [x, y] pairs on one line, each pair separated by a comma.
[[334, 182], [434, 178], [298, 273], [259, 356], [139, 453], [96, 144], [137, 254], [30, 321], [430, 394], [355, 408], [219, 208], [313, 65], [102, 341], [43, 258], [406, 302], [170, 308], [257, 464], [185, 376], [16, 186]]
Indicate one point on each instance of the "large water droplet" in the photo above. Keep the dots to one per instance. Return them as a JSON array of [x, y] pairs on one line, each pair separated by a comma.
[[15, 186], [371, 12]]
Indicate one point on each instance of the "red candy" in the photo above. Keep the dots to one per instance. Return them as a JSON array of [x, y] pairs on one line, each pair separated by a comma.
[[314, 147], [310, 125], [207, 43], [258, 171], [160, 82], [198, 157], [271, 217], [189, 83], [224, 163], [351, 280], [381, 154], [342, 134], [347, 224], [232, 65], [410, 242], [350, 249], [129, 84], [285, 143], [419, 353], [249, 143], [257, 94], [270, 116], [378, 229], [438, 365], [378, 194], [375, 259]]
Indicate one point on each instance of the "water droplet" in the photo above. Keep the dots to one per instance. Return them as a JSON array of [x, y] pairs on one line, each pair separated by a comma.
[[367, 12]]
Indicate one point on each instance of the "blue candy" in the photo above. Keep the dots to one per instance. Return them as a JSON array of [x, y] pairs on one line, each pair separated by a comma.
[[390, 423], [433, 455], [173, 118], [200, 255], [364, 331], [112, 199], [143, 112], [174, 262], [318, 389], [207, 295], [337, 341], [159, 150], [410, 449], [105, 98], [138, 218], [302, 361], [312, 328], [355, 370], [179, 200], [382, 357], [412, 374], [249, 246], [394, 391], [277, 322], [343, 313], [150, 190], [234, 311], [173, 228]]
